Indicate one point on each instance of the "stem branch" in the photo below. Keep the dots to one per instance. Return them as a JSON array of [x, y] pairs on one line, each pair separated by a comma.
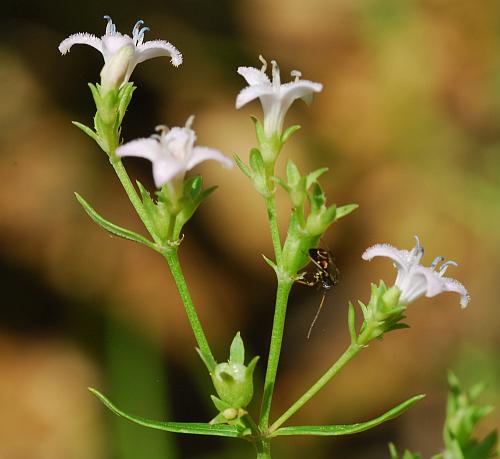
[[351, 351], [273, 224], [284, 287], [175, 268]]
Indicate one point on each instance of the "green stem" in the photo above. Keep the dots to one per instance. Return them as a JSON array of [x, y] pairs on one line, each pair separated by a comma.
[[175, 268], [351, 351], [133, 196], [263, 447], [284, 287], [273, 224]]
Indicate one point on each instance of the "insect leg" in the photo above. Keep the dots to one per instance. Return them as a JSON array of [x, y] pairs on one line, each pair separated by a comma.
[[316, 316]]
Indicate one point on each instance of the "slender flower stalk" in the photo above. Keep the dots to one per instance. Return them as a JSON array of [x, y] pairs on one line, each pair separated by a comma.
[[351, 351], [284, 287]]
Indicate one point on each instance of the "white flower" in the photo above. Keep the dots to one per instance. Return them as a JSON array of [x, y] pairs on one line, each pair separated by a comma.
[[172, 152], [275, 97], [415, 280], [112, 45]]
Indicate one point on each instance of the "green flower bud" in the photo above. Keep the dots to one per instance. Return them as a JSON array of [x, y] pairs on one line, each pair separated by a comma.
[[233, 381]]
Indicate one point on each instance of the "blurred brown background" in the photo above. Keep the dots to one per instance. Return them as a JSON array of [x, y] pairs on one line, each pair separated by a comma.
[[408, 124]]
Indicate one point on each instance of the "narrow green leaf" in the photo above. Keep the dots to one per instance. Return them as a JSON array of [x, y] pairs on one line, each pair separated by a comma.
[[207, 360], [195, 428], [270, 262], [112, 228], [342, 211], [288, 132], [347, 429], [87, 131], [244, 168], [237, 350], [253, 363]]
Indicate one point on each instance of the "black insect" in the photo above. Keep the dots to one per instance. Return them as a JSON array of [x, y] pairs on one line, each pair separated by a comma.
[[324, 278]]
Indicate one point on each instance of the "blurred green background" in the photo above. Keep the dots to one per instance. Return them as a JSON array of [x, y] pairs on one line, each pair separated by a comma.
[[409, 125]]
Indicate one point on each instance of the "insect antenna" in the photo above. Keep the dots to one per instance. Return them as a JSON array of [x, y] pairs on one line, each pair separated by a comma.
[[317, 314]]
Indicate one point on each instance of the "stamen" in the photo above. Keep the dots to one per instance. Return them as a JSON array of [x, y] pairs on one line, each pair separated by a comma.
[[276, 74], [140, 36], [162, 129], [137, 26], [296, 74], [444, 266], [264, 63], [110, 27], [189, 122], [436, 261], [418, 250]]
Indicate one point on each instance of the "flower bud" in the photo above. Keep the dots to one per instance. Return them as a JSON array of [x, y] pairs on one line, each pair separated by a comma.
[[234, 383]]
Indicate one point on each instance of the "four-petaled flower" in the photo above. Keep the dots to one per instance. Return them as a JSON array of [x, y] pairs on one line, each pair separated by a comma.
[[415, 280], [172, 152], [275, 97], [122, 53]]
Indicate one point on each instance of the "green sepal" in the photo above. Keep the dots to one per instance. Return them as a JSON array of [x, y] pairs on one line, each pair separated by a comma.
[[243, 167], [346, 429], [351, 322], [407, 454], [293, 176], [314, 175], [237, 350], [288, 132], [259, 130], [112, 228], [194, 428], [256, 161], [221, 405], [124, 97], [208, 360], [342, 211], [317, 198]]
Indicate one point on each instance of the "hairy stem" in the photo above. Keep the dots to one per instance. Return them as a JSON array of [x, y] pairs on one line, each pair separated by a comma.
[[175, 268], [273, 224], [351, 351], [284, 287]]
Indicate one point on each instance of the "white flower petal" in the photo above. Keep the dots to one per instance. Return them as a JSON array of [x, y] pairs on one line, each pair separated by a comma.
[[254, 76], [141, 148], [250, 93], [80, 39], [399, 257], [452, 285], [156, 48], [300, 89], [201, 154]]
